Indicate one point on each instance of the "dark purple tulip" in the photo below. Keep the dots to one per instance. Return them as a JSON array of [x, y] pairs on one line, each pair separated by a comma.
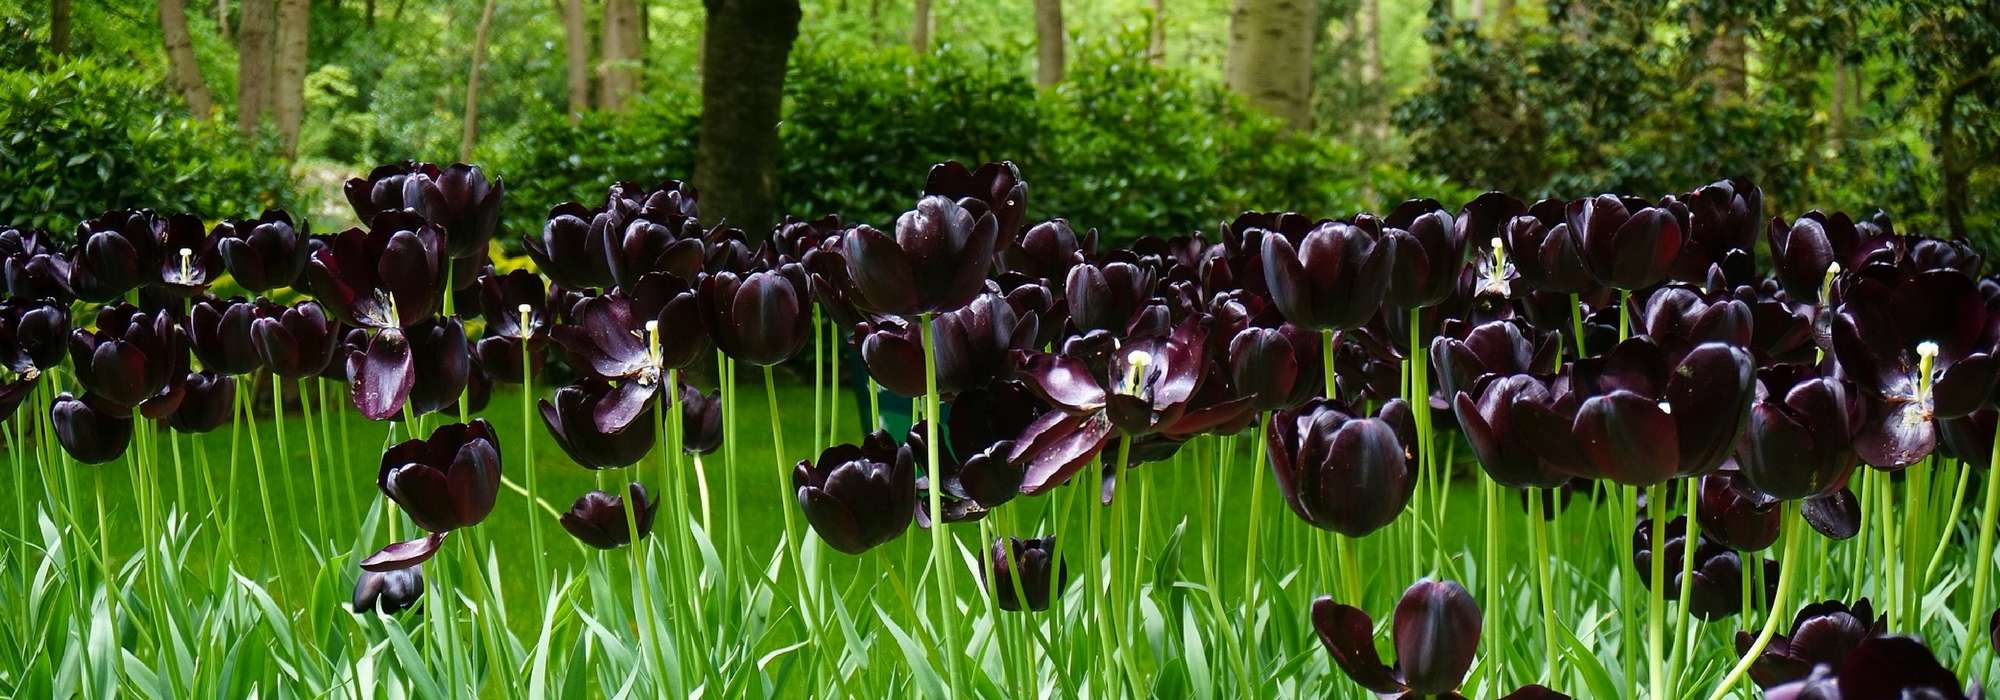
[[1800, 442], [441, 362], [32, 265], [645, 246], [1627, 243], [763, 318], [263, 253], [1436, 631], [1497, 426], [975, 345], [727, 249], [389, 591], [1836, 515], [570, 420], [90, 433], [937, 260], [209, 403], [598, 518], [1717, 576], [1462, 355], [115, 253], [1334, 278], [447, 482], [1823, 634], [1486, 216], [1546, 251], [219, 332], [14, 391], [1879, 336], [995, 188], [1679, 318], [573, 246], [382, 190], [34, 334], [1341, 472], [460, 201], [972, 486], [1650, 420], [1782, 330], [701, 420], [1736, 513], [1896, 667], [390, 276], [132, 358], [295, 342], [513, 342], [859, 496], [1047, 250], [1802, 252], [636, 338], [1723, 216], [1429, 254], [1969, 437], [669, 200], [1107, 296], [794, 237], [189, 260], [1278, 367], [1041, 572]]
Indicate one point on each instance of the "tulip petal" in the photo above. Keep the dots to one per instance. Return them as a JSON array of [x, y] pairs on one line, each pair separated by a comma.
[[382, 375], [405, 554], [1437, 633], [1710, 393], [1896, 435], [1837, 516], [615, 411], [1062, 380], [1349, 636], [1056, 446], [1628, 438]]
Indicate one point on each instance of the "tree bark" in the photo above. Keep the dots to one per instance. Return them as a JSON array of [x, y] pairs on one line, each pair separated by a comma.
[[369, 24], [742, 94], [59, 27], [1156, 43], [472, 83], [1836, 112], [253, 63], [620, 52], [1270, 56], [1369, 19], [180, 58], [288, 91], [920, 29], [1050, 42], [222, 20], [576, 44], [1503, 17], [1727, 70]]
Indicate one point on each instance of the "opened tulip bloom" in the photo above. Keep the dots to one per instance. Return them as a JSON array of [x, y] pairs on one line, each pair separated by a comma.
[[599, 519], [936, 261], [1436, 635], [859, 496], [389, 276], [444, 483], [519, 313], [263, 253], [1331, 279], [1921, 349], [32, 265], [571, 419], [635, 337]]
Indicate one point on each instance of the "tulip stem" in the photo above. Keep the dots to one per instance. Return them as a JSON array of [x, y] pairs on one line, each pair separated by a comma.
[[263, 485], [1914, 490], [1982, 561], [1256, 517], [948, 610], [1788, 529], [1540, 541], [1575, 326], [1624, 314], [1329, 339], [1656, 567], [284, 450], [1945, 537], [1690, 540], [312, 456], [528, 461]]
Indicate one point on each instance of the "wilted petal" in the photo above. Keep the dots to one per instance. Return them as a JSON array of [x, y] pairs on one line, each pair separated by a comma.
[[1349, 636], [405, 554]]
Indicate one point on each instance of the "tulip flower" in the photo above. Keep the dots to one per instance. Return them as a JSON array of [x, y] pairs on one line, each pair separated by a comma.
[[444, 483], [1717, 574], [1545, 250], [1969, 437], [598, 519], [727, 249], [669, 200], [115, 253], [132, 358], [1822, 634], [263, 253], [1277, 367], [995, 188], [573, 246], [636, 337], [461, 201], [1342, 472], [295, 342], [1679, 317], [90, 430], [1627, 243], [975, 345], [440, 368], [1782, 329], [858, 496], [34, 335], [1723, 216], [1800, 441], [1334, 278], [1436, 632], [1736, 514], [1633, 417], [937, 260], [1880, 667], [1428, 253], [1802, 252], [763, 318], [390, 276], [1462, 355], [1921, 349], [794, 237], [1047, 250], [210, 402], [519, 313], [701, 420], [32, 266], [1033, 565], [1107, 296], [1494, 416], [383, 189], [644, 246], [389, 591], [973, 485], [188, 261], [219, 332], [571, 420]]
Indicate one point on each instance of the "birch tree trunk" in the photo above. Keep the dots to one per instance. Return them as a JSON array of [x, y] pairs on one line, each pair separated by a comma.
[[576, 45], [1050, 42], [1156, 44], [620, 52], [479, 40], [1369, 19], [288, 91], [1270, 56], [253, 64], [180, 58], [920, 27]]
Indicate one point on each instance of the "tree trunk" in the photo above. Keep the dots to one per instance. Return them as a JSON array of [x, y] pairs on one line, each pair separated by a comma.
[[253, 64], [1156, 43], [576, 43], [620, 54], [1476, 11], [1050, 41], [1726, 65], [1949, 168], [288, 90], [222, 20], [920, 29], [1369, 19], [59, 27], [472, 83], [742, 94], [1503, 18], [180, 58], [369, 24], [1270, 56], [1836, 112]]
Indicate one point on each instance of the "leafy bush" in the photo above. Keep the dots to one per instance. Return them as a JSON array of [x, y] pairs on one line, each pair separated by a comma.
[[81, 137]]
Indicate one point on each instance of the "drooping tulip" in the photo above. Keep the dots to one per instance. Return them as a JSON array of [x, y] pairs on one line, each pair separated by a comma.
[[460, 200], [763, 318], [92, 433], [1822, 634], [295, 342], [572, 248], [858, 496], [209, 403], [1800, 441], [115, 253], [1628, 243], [570, 419], [974, 345], [936, 261], [1343, 472], [1429, 252], [1436, 631], [1920, 349], [1737, 514], [995, 188], [637, 337], [219, 332], [443, 483], [389, 591], [34, 334], [33, 266], [264, 253], [598, 519], [1717, 574], [389, 276], [132, 358], [1033, 564], [1334, 278]]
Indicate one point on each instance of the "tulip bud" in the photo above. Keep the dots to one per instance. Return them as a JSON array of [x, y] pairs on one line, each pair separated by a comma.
[[599, 519], [389, 591], [1033, 565]]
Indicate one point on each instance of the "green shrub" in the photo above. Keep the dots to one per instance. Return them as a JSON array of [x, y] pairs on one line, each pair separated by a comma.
[[81, 137]]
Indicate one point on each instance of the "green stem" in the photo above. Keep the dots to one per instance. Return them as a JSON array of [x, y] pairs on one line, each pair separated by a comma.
[[264, 489], [1982, 561], [1328, 340], [1256, 518], [1576, 322], [312, 452], [1656, 613], [1944, 536], [1544, 589], [940, 563], [1691, 494], [528, 431], [1785, 581]]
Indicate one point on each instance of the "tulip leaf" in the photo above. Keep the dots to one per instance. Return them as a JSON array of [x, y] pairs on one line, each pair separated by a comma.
[[136, 673], [412, 663], [1196, 653], [925, 676], [1581, 658]]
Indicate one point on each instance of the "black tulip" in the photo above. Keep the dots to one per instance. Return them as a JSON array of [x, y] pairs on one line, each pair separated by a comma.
[[571, 420], [209, 403], [264, 253], [858, 496], [598, 519], [461, 201], [1033, 564], [389, 591], [92, 433]]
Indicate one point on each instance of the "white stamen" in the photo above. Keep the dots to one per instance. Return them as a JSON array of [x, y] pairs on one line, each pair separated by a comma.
[[187, 252], [1927, 349], [524, 308], [652, 326], [1666, 408], [1138, 358], [1497, 246], [1833, 268]]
